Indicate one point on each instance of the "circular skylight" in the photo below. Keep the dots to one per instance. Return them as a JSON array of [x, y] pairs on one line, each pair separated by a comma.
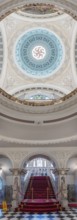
[[39, 53]]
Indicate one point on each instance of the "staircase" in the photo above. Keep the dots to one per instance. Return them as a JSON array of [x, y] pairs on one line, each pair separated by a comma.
[[40, 196], [39, 188]]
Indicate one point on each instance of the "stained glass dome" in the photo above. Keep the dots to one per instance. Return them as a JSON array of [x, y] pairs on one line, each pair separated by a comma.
[[40, 97], [39, 53]]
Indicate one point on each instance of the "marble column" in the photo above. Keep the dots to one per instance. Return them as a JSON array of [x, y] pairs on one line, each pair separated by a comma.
[[16, 187], [16, 184], [75, 181], [62, 191], [63, 187]]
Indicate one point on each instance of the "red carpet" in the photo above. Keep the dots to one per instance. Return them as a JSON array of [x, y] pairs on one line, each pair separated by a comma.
[[40, 196], [74, 205]]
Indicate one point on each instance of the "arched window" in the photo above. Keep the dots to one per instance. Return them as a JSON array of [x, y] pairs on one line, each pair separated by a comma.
[[45, 163], [39, 162], [34, 163]]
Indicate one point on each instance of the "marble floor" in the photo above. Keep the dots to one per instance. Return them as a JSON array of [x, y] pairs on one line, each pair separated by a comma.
[[70, 214]]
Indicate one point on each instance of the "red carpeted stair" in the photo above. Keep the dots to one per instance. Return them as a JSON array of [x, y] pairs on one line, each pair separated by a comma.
[[39, 188], [72, 205], [40, 196]]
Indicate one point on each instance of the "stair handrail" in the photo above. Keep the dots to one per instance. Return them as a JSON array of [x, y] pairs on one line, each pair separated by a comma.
[[51, 179], [26, 183]]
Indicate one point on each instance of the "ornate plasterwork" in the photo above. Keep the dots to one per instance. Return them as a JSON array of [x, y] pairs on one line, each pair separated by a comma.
[[11, 80], [15, 27], [67, 102], [39, 53], [37, 142], [60, 157], [9, 6], [40, 9]]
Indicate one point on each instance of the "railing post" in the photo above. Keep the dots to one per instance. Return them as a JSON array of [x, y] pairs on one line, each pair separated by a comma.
[[32, 193]]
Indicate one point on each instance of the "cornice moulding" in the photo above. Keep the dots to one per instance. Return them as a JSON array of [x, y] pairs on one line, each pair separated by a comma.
[[37, 142], [59, 109]]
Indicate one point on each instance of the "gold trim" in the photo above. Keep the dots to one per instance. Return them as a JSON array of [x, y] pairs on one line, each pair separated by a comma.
[[42, 103], [21, 7]]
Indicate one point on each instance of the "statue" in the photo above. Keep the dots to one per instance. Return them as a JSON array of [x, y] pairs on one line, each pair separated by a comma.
[[63, 188], [16, 190]]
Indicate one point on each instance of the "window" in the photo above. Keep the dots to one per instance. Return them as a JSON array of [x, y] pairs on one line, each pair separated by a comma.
[[39, 163]]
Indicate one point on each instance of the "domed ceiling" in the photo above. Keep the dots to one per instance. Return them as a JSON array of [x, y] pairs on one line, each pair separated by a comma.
[[38, 53], [39, 60]]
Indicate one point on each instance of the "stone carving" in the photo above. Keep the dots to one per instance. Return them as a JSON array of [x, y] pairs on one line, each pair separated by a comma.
[[16, 190], [63, 188], [10, 24], [16, 186]]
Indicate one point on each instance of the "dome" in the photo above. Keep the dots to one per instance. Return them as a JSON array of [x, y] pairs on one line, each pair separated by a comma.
[[39, 52], [36, 63]]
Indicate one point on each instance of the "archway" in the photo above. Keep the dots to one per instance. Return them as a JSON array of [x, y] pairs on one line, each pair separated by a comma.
[[9, 6], [5, 179], [72, 179], [39, 165]]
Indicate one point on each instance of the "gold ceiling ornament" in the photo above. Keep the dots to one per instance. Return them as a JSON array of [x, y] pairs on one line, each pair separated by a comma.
[[40, 8], [54, 8]]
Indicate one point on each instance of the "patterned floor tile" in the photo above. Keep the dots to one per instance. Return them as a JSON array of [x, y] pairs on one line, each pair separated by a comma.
[[70, 214]]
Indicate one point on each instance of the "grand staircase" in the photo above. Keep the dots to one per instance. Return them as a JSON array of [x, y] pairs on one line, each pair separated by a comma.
[[40, 196]]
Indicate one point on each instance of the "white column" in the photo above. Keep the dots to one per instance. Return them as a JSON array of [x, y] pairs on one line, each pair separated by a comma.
[[16, 187], [75, 181], [63, 188]]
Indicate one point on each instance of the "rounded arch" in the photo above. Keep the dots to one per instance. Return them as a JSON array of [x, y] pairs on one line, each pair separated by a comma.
[[40, 170], [10, 6], [5, 163], [38, 155], [7, 156], [6, 179], [72, 178], [72, 163]]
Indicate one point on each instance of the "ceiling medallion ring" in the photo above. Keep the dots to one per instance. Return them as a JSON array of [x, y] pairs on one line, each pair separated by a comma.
[[39, 53]]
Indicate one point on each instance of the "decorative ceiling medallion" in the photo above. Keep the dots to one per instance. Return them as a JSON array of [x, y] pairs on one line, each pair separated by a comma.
[[39, 53]]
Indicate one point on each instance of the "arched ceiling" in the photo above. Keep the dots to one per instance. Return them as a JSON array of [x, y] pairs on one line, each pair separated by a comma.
[[55, 68], [72, 164], [5, 164], [12, 27]]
